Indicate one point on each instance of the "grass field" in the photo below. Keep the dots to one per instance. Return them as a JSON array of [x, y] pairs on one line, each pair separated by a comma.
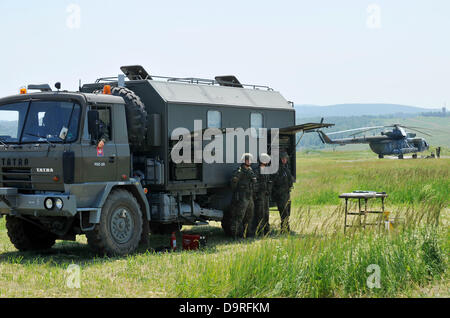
[[316, 260]]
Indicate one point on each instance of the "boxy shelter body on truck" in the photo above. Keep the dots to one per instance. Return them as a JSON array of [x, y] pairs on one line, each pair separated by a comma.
[[68, 186]]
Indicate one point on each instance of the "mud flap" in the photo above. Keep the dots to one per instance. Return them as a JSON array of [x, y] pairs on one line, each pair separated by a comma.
[[145, 236]]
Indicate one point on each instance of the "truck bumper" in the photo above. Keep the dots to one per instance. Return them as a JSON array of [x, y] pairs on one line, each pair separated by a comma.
[[14, 203]]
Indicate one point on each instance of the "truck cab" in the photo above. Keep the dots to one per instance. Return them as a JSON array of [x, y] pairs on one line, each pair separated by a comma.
[[47, 135], [54, 178]]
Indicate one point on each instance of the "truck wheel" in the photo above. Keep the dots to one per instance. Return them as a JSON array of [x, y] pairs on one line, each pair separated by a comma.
[[120, 228], [136, 116], [162, 229], [26, 236]]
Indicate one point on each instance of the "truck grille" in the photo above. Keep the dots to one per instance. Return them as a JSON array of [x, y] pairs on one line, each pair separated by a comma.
[[16, 178]]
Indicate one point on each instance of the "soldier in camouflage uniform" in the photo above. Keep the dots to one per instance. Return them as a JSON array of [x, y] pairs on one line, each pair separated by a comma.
[[282, 185], [242, 184], [260, 224]]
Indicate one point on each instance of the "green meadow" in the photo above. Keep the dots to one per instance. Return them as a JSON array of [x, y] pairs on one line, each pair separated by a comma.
[[316, 260]]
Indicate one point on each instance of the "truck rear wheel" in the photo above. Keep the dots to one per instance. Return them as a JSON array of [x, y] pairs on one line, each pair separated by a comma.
[[120, 228], [136, 116], [26, 236]]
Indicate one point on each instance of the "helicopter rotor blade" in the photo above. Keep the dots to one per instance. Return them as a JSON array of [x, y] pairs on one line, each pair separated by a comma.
[[366, 130], [419, 131], [349, 130], [431, 129]]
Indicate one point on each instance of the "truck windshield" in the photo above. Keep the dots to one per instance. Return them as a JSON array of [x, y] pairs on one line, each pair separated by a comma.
[[39, 122]]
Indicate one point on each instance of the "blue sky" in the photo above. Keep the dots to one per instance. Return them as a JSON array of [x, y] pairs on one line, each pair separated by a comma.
[[313, 52]]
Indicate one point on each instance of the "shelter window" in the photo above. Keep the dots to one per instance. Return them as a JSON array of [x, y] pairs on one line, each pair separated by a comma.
[[256, 121], [214, 119]]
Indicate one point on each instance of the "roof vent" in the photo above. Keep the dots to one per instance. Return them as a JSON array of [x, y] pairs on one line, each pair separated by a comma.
[[228, 80], [135, 73]]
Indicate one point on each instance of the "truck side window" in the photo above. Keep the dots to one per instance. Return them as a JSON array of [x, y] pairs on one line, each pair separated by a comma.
[[104, 113], [214, 119]]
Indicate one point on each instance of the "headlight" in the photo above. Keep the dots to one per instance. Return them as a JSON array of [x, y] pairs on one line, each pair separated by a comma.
[[59, 204], [48, 203]]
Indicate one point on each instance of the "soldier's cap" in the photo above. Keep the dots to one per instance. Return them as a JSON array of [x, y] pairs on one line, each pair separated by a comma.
[[284, 154], [264, 158], [247, 156]]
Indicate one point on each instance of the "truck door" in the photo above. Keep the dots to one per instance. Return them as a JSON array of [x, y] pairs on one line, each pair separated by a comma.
[[100, 165]]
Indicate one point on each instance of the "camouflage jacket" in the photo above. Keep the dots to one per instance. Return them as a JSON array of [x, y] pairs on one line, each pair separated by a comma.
[[283, 179], [264, 183], [243, 181]]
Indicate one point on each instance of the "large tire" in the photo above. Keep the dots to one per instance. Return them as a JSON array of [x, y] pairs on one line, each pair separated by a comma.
[[28, 237], [120, 228], [136, 116]]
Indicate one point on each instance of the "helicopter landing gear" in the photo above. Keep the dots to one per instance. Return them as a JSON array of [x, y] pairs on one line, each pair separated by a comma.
[[380, 156], [400, 156]]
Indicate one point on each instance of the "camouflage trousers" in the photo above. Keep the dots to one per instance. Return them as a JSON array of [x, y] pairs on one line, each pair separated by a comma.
[[260, 223], [241, 217], [284, 207]]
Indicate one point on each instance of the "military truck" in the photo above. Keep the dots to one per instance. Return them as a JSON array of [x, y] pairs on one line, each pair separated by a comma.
[[56, 182]]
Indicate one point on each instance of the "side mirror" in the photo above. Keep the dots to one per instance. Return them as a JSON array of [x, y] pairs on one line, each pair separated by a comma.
[[93, 126]]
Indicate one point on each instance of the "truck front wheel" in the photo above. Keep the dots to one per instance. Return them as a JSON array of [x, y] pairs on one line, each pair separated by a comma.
[[26, 236], [120, 228]]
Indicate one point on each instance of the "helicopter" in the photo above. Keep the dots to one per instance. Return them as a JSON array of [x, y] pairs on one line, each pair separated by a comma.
[[394, 142]]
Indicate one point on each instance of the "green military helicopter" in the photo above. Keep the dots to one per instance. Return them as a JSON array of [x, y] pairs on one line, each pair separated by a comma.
[[395, 142]]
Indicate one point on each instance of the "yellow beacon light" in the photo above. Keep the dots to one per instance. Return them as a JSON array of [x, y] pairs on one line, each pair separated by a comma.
[[107, 90], [23, 91]]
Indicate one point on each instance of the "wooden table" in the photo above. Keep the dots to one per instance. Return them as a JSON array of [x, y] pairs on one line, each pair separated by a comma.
[[362, 211]]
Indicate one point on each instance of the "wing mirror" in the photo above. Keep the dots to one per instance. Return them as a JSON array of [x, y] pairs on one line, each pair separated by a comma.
[[93, 125]]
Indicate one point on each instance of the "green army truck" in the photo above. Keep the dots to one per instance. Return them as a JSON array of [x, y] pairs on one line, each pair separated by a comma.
[[56, 182]]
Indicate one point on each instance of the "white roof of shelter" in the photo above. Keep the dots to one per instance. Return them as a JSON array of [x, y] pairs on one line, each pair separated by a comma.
[[175, 92]]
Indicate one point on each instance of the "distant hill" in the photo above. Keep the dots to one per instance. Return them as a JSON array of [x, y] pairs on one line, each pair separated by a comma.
[[345, 110]]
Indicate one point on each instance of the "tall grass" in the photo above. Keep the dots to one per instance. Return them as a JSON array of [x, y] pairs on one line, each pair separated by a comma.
[[406, 181], [321, 261]]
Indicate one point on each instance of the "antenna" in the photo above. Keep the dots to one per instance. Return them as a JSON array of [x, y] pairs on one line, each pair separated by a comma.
[[79, 85]]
